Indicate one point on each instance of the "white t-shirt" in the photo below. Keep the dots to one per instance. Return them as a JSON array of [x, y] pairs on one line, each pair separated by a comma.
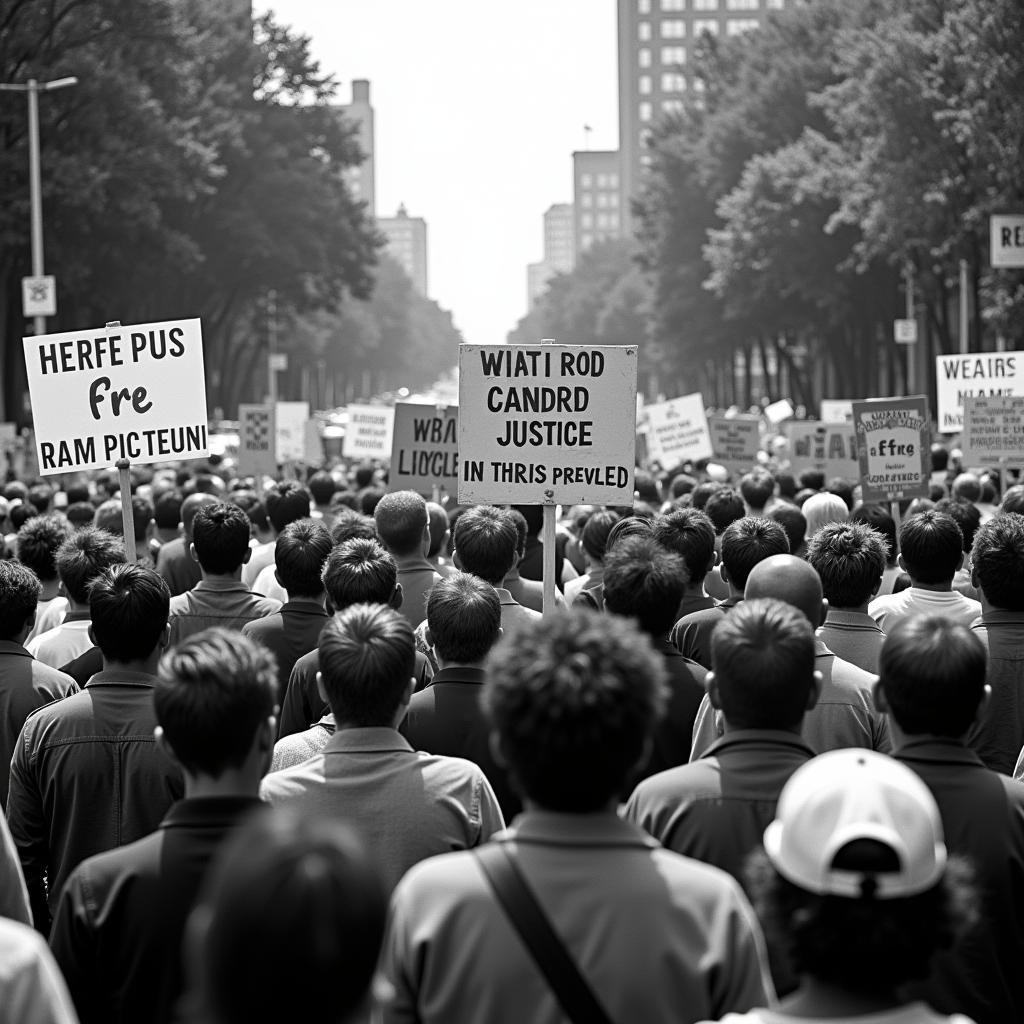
[[48, 615], [62, 644], [267, 585], [915, 601], [912, 1013]]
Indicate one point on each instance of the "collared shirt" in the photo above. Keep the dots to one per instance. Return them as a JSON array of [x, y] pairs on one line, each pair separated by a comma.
[[529, 593], [118, 929], [983, 820], [25, 684], [31, 988], [86, 776], [408, 805], [593, 579], [999, 736], [224, 603], [659, 938], [59, 645], [691, 635], [917, 601], [512, 612], [416, 576], [175, 563], [289, 634], [853, 636], [694, 603]]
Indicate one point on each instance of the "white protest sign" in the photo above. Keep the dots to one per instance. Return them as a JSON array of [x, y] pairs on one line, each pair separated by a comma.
[[836, 410], [135, 392], [735, 441], [1006, 239], [893, 448], [425, 448], [256, 441], [39, 296], [830, 448], [778, 411], [677, 431], [980, 373], [368, 432], [290, 419], [993, 430], [547, 424]]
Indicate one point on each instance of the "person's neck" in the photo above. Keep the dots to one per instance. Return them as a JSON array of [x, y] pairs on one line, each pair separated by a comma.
[[165, 535], [222, 577], [443, 663], [987, 607], [860, 609], [786, 730], [945, 587], [50, 590], [147, 666], [900, 738], [611, 808], [410, 558], [320, 599], [511, 576], [695, 589], [821, 1000], [241, 782], [76, 608]]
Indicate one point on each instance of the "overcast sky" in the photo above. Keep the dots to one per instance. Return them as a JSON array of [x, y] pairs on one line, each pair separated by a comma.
[[478, 108]]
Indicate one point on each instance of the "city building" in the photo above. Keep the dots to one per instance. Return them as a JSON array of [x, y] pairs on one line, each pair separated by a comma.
[[537, 277], [361, 179], [559, 237], [407, 245], [596, 191]]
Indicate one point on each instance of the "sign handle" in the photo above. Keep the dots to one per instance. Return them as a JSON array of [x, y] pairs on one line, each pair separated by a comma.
[[547, 540], [894, 511], [124, 479]]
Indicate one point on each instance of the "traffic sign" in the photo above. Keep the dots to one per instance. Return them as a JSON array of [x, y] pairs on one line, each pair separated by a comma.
[[904, 332], [1006, 237], [39, 296]]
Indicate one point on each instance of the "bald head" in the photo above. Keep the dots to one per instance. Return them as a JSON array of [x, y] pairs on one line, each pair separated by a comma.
[[190, 506], [790, 579]]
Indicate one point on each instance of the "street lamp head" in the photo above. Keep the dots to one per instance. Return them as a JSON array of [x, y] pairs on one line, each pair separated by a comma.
[[60, 83]]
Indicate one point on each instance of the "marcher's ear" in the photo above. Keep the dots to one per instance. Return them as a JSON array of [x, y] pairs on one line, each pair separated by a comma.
[[320, 687], [192, 553]]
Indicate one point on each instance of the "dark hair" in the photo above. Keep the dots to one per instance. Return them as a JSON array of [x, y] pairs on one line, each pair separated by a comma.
[[932, 672], [321, 917], [81, 514], [41, 496], [628, 526], [748, 541], [723, 508], [438, 520], [464, 617], [167, 509], [285, 502], [967, 487], [1013, 500], [220, 533], [702, 492], [793, 521], [534, 516], [352, 525], [345, 499], [251, 505], [786, 483], [359, 572], [682, 483], [842, 488], [128, 605], [762, 654], [21, 514], [83, 556], [595, 533], [367, 658], [645, 487], [300, 552], [364, 476], [881, 522], [19, 596], [38, 541], [812, 480], [109, 517], [850, 559], [757, 487], [322, 486], [690, 534], [932, 546], [213, 692], [401, 518], [646, 582], [939, 455], [486, 542], [369, 499], [998, 560], [76, 493], [966, 515], [573, 698]]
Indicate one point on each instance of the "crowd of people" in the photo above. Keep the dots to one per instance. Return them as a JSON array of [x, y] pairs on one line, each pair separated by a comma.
[[313, 750]]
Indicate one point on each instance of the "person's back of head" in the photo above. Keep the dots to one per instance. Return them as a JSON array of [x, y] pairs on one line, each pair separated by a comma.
[[220, 536], [724, 508], [757, 487], [359, 571], [842, 488], [128, 605], [190, 507], [352, 525], [748, 541], [790, 579], [464, 618], [285, 502], [682, 483], [702, 492], [41, 497], [812, 480], [322, 486], [77, 492], [321, 918], [38, 541], [646, 582], [967, 487], [485, 543], [167, 510], [573, 699], [595, 534], [628, 526], [762, 657], [931, 547], [300, 553], [21, 514], [438, 525], [534, 516], [689, 533], [997, 561], [19, 596], [849, 559], [823, 508], [15, 489], [215, 699], [82, 557], [369, 499], [367, 659], [966, 515], [1013, 500], [81, 514], [794, 523], [403, 523], [109, 517], [939, 456], [364, 476], [882, 523], [787, 486], [645, 488]]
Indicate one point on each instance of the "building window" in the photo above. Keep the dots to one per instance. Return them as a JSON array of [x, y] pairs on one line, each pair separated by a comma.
[[586, 241], [643, 6], [613, 221], [586, 199], [737, 26], [602, 181], [673, 5], [672, 81], [643, 57], [645, 111], [613, 180], [673, 29], [708, 25], [644, 85], [602, 220], [774, 5], [643, 31], [743, 5], [671, 106], [705, 5], [586, 220], [602, 199], [586, 180], [613, 200], [673, 55]]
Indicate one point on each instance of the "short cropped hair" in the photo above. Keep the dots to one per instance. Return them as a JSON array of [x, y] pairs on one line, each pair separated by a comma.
[[367, 659], [690, 534], [486, 542], [300, 552], [322, 486], [83, 556], [573, 698], [967, 517], [41, 496], [81, 514], [723, 508], [220, 533], [285, 502], [748, 541], [967, 487], [595, 533], [850, 559], [682, 483], [109, 517], [19, 595], [702, 492], [842, 488], [757, 487], [762, 654], [932, 672], [1013, 500], [998, 560], [464, 617], [213, 692], [352, 525], [812, 479], [881, 522], [628, 526], [401, 518], [793, 521], [644, 581], [38, 541], [932, 546], [254, 509], [359, 571], [128, 605], [167, 509]]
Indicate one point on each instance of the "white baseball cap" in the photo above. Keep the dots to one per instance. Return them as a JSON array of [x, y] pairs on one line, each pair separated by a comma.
[[852, 794]]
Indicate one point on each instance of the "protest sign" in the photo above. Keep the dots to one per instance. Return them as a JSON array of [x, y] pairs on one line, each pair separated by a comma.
[[136, 392], [1006, 240], [836, 410], [677, 431], [735, 442], [256, 441], [425, 449], [993, 430], [368, 432], [778, 411], [893, 447], [547, 424], [981, 373], [290, 419], [827, 447]]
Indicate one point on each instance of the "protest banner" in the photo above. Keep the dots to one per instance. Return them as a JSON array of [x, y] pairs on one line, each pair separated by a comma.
[[256, 453], [425, 449], [735, 442], [993, 431], [368, 432], [136, 392], [677, 431], [778, 411], [836, 410], [290, 419], [893, 448], [981, 373], [828, 447]]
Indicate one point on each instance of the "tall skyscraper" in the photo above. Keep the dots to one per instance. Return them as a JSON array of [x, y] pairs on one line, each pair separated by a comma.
[[361, 179], [407, 245], [596, 197], [559, 237]]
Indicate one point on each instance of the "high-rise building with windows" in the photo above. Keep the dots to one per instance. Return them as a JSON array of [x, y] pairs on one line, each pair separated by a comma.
[[656, 43], [407, 245], [559, 251], [361, 179], [597, 197]]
